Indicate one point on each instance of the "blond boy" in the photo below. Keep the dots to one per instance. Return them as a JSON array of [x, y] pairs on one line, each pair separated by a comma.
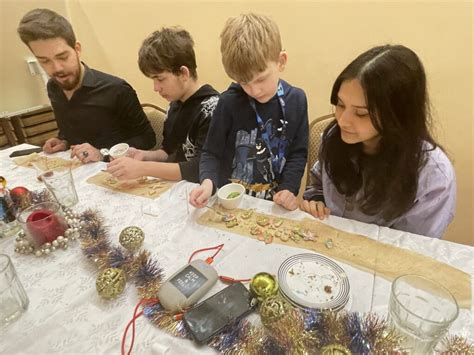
[[259, 132]]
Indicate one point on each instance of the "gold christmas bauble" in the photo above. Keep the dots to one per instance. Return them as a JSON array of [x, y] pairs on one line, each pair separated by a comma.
[[131, 238], [110, 282], [272, 309], [263, 285]]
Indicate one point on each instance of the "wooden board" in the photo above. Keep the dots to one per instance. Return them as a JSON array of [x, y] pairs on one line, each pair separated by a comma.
[[386, 260], [145, 187], [44, 163]]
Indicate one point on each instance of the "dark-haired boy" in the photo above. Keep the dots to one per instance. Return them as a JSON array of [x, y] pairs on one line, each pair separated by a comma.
[[167, 56]]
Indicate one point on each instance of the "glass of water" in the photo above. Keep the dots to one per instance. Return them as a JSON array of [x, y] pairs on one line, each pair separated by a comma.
[[61, 184], [422, 311], [13, 298]]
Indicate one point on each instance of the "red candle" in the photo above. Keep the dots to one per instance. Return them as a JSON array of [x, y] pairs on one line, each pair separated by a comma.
[[45, 226]]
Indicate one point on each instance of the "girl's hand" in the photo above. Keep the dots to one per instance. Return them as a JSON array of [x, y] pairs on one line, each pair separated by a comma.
[[315, 208]]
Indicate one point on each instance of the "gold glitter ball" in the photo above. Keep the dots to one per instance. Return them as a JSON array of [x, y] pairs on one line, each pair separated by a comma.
[[264, 285], [110, 283], [335, 349], [272, 309], [131, 238]]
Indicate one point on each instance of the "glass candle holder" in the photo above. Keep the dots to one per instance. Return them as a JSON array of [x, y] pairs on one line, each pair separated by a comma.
[[43, 223], [422, 311]]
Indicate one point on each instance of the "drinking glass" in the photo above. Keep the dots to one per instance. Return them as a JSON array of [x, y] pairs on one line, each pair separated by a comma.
[[61, 184], [422, 311], [13, 298]]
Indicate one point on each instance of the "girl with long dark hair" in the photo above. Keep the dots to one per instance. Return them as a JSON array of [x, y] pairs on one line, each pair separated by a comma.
[[378, 162]]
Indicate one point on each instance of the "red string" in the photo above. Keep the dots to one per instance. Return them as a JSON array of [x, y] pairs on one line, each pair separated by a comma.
[[230, 280], [132, 323], [210, 259], [136, 315]]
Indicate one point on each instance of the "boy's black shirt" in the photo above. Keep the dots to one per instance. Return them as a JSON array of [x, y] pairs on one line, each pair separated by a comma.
[[234, 120], [185, 130]]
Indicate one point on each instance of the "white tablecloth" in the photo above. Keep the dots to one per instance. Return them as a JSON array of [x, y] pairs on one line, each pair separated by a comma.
[[66, 315]]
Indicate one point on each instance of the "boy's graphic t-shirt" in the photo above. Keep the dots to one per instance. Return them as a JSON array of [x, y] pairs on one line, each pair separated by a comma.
[[252, 165], [266, 158]]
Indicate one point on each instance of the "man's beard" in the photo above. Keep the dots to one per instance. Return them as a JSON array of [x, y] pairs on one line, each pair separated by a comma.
[[76, 78]]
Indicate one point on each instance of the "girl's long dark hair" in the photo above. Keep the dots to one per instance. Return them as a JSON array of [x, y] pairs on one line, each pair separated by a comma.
[[394, 83]]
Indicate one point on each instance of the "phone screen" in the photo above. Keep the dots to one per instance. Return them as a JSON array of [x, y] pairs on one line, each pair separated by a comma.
[[212, 315], [19, 153]]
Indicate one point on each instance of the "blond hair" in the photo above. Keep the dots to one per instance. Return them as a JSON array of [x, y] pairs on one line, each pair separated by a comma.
[[248, 43]]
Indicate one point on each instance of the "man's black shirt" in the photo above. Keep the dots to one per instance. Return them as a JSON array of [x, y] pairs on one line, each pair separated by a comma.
[[103, 112]]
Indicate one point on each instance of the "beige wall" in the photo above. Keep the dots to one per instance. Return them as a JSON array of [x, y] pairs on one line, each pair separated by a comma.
[[321, 37]]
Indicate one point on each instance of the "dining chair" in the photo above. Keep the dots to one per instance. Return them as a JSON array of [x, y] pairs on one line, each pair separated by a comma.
[[156, 115], [316, 129], [34, 125], [8, 137]]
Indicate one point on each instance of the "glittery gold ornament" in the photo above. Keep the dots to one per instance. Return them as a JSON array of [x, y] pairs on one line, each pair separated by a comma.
[[335, 349], [272, 309], [131, 238], [110, 283], [263, 285]]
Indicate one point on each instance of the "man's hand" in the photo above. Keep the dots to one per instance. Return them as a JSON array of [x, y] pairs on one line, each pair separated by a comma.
[[136, 154], [199, 196], [286, 199], [85, 153], [125, 168], [53, 145], [315, 208]]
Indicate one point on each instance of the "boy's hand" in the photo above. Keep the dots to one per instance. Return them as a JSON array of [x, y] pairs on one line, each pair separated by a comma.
[[136, 154], [125, 168], [316, 208], [53, 145], [286, 199], [199, 196], [85, 152]]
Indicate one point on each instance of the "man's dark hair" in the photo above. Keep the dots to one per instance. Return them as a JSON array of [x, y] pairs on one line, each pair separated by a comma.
[[41, 24]]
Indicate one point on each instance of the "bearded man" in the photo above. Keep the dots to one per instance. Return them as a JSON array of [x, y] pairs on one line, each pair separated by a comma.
[[94, 110]]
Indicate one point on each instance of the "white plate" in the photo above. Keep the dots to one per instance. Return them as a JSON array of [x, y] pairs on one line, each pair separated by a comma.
[[314, 281]]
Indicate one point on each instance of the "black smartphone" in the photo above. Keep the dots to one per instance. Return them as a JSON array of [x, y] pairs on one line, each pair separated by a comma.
[[19, 153], [212, 315]]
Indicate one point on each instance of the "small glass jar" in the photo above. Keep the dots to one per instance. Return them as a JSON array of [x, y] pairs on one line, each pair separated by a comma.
[[43, 223]]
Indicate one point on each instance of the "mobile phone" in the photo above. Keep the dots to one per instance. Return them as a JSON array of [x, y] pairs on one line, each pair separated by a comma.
[[212, 315], [19, 153]]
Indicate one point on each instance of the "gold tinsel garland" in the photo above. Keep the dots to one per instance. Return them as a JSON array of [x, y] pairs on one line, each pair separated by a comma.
[[285, 329]]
